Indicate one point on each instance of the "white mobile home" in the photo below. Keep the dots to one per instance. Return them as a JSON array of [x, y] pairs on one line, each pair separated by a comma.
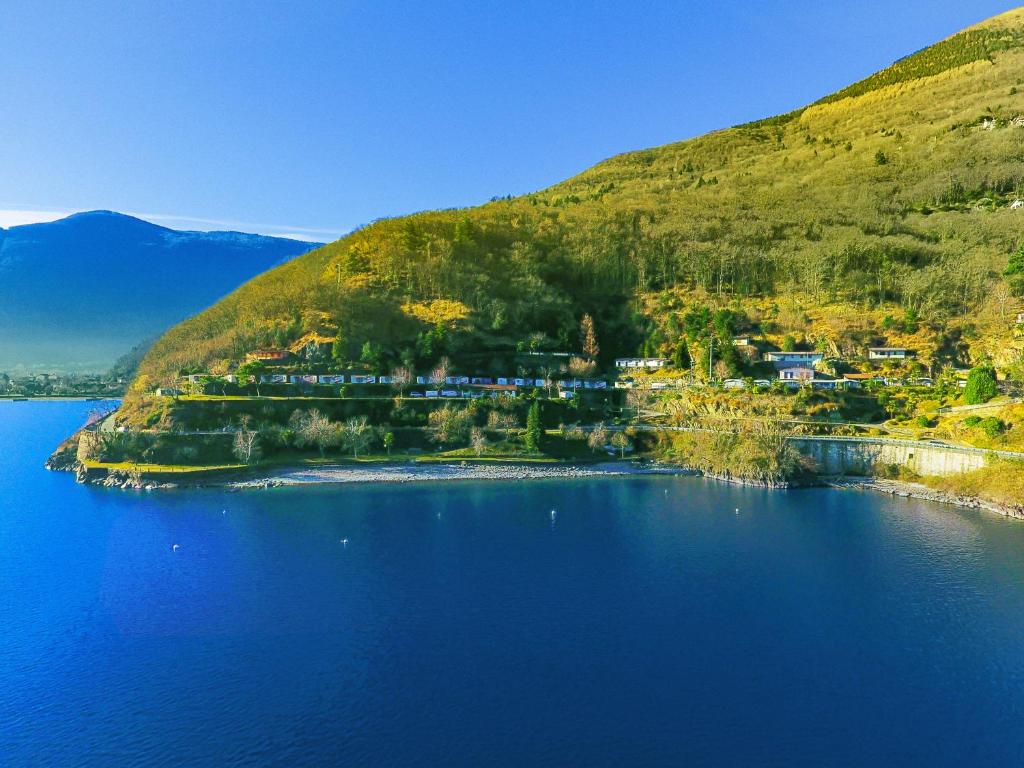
[[644, 363], [888, 353]]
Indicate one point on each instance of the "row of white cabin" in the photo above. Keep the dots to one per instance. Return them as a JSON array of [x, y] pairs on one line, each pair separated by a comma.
[[810, 359], [335, 379], [780, 359]]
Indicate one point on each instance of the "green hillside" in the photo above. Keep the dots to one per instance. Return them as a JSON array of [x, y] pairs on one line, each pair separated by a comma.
[[891, 198]]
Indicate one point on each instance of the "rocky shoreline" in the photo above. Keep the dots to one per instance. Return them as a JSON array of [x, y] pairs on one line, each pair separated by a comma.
[[379, 473], [412, 473], [918, 491]]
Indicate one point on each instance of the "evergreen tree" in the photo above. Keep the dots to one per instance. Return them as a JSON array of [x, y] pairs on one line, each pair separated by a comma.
[[681, 357], [339, 349], [371, 355], [533, 433]]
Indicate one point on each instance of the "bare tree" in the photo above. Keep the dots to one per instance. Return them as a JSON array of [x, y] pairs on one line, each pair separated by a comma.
[[548, 374], [478, 440], [357, 434], [313, 428], [441, 371], [639, 397], [1002, 296], [581, 368], [400, 378], [622, 442], [598, 438], [247, 445], [500, 420]]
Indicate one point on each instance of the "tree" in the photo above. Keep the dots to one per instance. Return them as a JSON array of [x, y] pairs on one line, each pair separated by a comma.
[[371, 355], [247, 445], [548, 374], [981, 385], [400, 378], [339, 349], [533, 433], [357, 434], [578, 367], [788, 343], [574, 432], [681, 355], [254, 369], [388, 440], [598, 438], [448, 424], [478, 440], [313, 428], [589, 337], [500, 420], [639, 398], [1002, 294], [1015, 271], [441, 371], [620, 441]]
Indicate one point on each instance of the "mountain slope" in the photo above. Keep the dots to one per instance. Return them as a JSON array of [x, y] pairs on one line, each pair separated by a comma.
[[79, 292], [895, 192]]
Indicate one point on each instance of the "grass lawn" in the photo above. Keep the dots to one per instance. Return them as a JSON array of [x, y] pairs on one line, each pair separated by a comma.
[[127, 466]]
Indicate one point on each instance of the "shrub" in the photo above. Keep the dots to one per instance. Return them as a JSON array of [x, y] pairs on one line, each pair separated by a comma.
[[981, 385], [972, 421], [992, 426]]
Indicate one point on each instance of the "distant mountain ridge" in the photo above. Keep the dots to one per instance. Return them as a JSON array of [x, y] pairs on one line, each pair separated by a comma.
[[77, 293]]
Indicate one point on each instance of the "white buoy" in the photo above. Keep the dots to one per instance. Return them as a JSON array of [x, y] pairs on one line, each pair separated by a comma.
[[344, 542], [174, 548]]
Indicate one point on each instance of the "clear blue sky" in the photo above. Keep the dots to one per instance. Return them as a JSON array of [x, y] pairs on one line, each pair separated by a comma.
[[314, 117]]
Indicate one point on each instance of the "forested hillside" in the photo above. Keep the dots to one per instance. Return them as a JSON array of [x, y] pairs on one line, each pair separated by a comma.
[[893, 198]]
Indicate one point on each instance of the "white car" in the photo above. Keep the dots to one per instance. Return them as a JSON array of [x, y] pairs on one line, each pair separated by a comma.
[[734, 384]]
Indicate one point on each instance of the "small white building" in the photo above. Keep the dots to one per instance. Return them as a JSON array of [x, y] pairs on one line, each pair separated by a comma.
[[796, 375], [649, 363], [794, 359], [888, 353]]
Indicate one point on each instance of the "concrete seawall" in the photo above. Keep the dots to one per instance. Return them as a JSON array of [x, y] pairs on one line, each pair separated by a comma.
[[864, 455]]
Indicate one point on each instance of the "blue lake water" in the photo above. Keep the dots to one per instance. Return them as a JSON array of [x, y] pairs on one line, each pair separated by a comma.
[[647, 624]]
